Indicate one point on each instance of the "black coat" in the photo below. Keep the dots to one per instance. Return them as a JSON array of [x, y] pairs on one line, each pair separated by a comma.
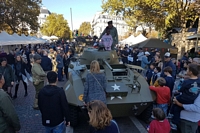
[[46, 63], [24, 67], [66, 61], [10, 59], [53, 105]]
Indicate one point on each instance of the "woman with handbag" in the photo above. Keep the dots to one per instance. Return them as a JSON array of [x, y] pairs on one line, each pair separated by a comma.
[[95, 85], [101, 118]]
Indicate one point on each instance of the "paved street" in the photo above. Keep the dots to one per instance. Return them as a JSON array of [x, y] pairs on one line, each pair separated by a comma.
[[30, 119]]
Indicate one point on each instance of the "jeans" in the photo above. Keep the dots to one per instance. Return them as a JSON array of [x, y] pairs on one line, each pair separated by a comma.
[[61, 128], [60, 76], [164, 107]]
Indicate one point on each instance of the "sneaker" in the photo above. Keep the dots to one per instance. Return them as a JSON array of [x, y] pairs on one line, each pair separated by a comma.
[[170, 116], [173, 126]]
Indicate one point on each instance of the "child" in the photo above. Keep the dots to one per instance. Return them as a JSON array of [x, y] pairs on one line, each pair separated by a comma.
[[107, 39], [155, 76], [163, 95], [169, 79], [150, 72], [160, 124], [190, 91]]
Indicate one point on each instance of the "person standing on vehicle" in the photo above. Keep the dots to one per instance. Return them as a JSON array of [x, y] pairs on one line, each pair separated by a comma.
[[9, 121], [8, 74], [53, 106], [107, 39], [38, 78], [113, 33]]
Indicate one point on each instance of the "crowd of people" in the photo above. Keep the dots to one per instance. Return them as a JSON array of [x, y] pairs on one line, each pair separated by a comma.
[[175, 82], [44, 66]]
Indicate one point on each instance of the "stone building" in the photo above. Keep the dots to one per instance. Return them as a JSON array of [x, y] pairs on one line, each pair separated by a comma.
[[99, 23], [44, 13]]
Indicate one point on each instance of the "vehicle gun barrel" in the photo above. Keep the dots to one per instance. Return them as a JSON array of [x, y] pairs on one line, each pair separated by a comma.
[[108, 65]]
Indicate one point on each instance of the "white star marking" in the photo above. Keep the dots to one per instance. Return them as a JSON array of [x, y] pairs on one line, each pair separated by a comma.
[[116, 87], [111, 98]]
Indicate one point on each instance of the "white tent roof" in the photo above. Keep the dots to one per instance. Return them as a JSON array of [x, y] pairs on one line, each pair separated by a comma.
[[139, 38], [19, 39], [6, 39], [129, 40], [54, 37]]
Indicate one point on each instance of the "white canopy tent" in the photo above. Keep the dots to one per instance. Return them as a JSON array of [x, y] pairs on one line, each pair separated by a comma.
[[139, 38], [6, 39], [19, 39], [50, 37], [129, 40]]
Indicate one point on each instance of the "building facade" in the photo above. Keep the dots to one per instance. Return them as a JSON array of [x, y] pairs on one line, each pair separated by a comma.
[[44, 13], [100, 22]]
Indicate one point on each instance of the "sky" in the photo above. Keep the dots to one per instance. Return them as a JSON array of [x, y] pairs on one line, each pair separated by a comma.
[[82, 10]]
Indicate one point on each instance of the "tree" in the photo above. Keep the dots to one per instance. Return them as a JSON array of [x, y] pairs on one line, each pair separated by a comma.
[[19, 15], [85, 28], [55, 24], [162, 14]]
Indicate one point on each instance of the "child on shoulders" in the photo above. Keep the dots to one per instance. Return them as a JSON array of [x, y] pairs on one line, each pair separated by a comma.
[[190, 91]]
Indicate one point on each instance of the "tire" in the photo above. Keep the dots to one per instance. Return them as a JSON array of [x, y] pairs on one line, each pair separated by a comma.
[[73, 115], [146, 114]]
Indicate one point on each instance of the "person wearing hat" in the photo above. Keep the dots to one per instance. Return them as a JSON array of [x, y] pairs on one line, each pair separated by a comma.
[[31, 55], [139, 56], [113, 33], [38, 77], [144, 61], [168, 62]]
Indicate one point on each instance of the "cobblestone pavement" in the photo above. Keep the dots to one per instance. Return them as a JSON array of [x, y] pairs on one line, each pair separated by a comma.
[[30, 119], [31, 122]]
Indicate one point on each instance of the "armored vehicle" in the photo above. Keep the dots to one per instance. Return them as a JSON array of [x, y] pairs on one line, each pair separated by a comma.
[[127, 91]]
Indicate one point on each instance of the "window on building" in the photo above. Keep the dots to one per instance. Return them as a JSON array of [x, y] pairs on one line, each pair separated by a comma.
[[45, 16]]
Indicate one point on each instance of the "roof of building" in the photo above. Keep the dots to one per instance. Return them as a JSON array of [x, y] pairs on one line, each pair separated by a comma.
[[45, 11]]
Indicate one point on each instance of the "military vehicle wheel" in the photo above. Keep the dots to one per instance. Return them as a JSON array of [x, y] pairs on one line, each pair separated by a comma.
[[146, 114], [73, 115]]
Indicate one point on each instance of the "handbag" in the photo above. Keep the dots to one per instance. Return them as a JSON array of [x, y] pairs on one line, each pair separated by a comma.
[[99, 84]]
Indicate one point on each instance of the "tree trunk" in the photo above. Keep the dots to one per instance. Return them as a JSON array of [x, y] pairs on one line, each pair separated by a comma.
[[198, 30]]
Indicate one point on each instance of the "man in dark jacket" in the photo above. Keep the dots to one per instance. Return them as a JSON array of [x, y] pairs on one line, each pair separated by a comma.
[[11, 59], [168, 62], [8, 74], [9, 121], [46, 63], [53, 106]]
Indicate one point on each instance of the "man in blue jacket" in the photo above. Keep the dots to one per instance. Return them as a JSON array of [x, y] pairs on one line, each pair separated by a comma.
[[168, 62]]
